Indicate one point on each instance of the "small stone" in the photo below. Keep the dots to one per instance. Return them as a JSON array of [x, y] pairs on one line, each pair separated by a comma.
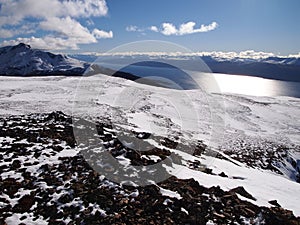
[[219, 215], [275, 203], [16, 164], [24, 204], [241, 190], [222, 174]]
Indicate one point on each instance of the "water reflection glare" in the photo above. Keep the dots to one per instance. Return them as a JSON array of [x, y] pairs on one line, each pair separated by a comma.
[[247, 85]]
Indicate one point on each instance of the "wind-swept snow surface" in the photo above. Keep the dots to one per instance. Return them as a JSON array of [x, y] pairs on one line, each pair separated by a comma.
[[269, 118], [254, 141]]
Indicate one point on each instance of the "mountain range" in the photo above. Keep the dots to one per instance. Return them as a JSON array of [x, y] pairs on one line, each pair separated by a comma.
[[277, 68], [22, 60]]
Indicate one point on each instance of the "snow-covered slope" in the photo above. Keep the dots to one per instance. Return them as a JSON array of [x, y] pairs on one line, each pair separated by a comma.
[[256, 140], [23, 60]]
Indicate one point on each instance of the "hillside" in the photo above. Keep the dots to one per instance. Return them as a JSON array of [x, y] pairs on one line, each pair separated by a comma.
[[22, 60]]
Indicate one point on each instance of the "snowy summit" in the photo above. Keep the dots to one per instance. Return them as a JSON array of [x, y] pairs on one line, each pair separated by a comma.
[[25, 61]]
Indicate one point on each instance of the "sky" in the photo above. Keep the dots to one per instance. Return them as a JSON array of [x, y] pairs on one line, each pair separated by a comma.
[[200, 25]]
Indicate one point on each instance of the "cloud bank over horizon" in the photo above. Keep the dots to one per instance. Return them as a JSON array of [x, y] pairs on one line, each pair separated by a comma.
[[222, 55], [60, 26]]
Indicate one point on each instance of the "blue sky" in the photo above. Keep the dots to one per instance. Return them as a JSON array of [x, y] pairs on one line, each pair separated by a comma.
[[98, 25]]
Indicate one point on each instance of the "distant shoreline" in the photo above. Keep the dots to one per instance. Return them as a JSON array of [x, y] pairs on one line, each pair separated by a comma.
[[133, 75]]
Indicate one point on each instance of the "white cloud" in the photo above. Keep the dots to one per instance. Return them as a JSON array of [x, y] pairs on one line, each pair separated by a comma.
[[85, 8], [58, 17], [16, 10], [255, 55], [8, 33], [169, 29], [220, 55], [68, 28], [90, 22], [153, 28], [295, 55], [102, 34], [47, 42], [132, 28], [206, 28], [4, 33], [248, 54], [186, 28]]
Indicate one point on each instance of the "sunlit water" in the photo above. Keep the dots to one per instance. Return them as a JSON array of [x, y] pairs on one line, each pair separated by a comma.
[[255, 86], [209, 82]]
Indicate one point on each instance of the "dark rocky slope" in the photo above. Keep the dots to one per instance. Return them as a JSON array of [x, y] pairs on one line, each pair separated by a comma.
[[47, 184]]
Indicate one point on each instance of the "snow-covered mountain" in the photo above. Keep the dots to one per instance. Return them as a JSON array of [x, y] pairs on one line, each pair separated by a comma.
[[278, 68], [25, 61]]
